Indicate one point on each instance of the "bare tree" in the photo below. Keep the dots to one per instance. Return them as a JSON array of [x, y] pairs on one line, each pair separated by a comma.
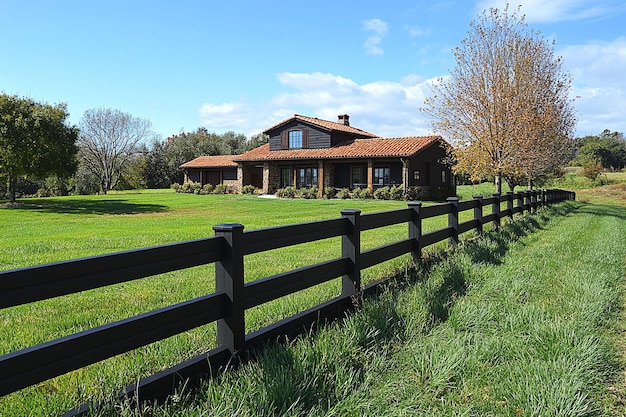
[[108, 140], [505, 106]]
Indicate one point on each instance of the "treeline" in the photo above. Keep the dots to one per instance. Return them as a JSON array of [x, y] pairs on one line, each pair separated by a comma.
[[41, 155], [152, 165]]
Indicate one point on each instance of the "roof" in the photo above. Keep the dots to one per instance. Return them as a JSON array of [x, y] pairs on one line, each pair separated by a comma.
[[357, 148], [218, 161], [325, 125]]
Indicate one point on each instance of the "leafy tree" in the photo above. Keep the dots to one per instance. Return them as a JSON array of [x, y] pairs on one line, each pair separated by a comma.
[[256, 140], [185, 146], [156, 173], [35, 140], [608, 149], [108, 141], [505, 105]]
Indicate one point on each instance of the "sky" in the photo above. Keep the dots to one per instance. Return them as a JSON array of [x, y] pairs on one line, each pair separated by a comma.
[[246, 65]]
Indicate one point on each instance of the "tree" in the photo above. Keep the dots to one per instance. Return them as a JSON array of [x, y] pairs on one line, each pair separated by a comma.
[[505, 106], [608, 149], [35, 140], [108, 141]]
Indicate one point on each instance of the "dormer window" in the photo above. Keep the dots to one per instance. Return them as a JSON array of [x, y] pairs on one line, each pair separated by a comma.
[[295, 139]]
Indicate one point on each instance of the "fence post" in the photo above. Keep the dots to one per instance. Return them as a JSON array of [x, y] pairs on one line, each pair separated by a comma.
[[509, 204], [415, 230], [520, 201], [229, 278], [533, 201], [495, 209], [453, 220], [478, 213], [351, 248], [542, 197]]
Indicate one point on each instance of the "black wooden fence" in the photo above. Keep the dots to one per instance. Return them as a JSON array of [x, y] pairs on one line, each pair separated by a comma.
[[232, 296]]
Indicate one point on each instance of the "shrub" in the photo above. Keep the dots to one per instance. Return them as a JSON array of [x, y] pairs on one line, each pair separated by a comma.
[[396, 192], [413, 193], [248, 189], [220, 189], [287, 192], [363, 193], [308, 193], [329, 192], [176, 187], [206, 189], [343, 194], [382, 193], [591, 170], [190, 188]]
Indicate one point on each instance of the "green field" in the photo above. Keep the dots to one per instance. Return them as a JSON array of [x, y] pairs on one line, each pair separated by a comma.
[[429, 313]]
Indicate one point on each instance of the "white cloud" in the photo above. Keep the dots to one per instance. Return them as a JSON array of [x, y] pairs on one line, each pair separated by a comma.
[[373, 42], [555, 10], [599, 82], [386, 108], [416, 31]]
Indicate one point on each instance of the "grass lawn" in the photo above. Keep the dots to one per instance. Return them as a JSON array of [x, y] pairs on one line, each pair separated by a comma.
[[448, 331], [55, 229]]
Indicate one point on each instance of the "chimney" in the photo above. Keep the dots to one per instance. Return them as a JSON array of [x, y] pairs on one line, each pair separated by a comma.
[[344, 119]]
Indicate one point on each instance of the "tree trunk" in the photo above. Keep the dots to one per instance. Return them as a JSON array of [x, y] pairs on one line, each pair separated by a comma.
[[498, 181], [12, 189]]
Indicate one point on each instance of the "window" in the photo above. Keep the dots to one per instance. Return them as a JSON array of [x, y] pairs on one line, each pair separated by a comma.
[[286, 177], [443, 176], [416, 175], [356, 178], [382, 176], [307, 178], [295, 139]]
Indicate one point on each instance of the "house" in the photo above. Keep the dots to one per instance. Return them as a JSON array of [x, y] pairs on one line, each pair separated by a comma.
[[220, 169], [308, 152]]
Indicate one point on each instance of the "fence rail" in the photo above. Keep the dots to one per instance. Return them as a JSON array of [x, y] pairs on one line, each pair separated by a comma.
[[232, 297]]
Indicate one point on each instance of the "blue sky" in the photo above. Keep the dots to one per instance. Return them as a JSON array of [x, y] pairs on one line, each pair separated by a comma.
[[245, 65]]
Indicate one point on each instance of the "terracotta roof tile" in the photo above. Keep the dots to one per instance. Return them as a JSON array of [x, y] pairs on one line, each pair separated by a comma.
[[358, 148], [324, 124], [219, 161]]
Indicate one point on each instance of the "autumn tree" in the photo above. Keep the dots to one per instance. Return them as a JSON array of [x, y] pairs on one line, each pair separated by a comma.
[[35, 140], [108, 141], [506, 105]]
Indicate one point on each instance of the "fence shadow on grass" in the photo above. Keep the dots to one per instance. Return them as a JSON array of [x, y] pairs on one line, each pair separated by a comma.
[[83, 206], [603, 210]]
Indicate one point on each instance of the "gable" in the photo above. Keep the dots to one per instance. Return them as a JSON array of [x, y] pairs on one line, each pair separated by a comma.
[[316, 133]]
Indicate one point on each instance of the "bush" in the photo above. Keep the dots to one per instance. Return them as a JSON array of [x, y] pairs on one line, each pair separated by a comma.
[[308, 193], [363, 193], [591, 170], [382, 193], [343, 194], [248, 189], [329, 192], [206, 189], [190, 188], [396, 192], [413, 193], [220, 189], [287, 192]]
